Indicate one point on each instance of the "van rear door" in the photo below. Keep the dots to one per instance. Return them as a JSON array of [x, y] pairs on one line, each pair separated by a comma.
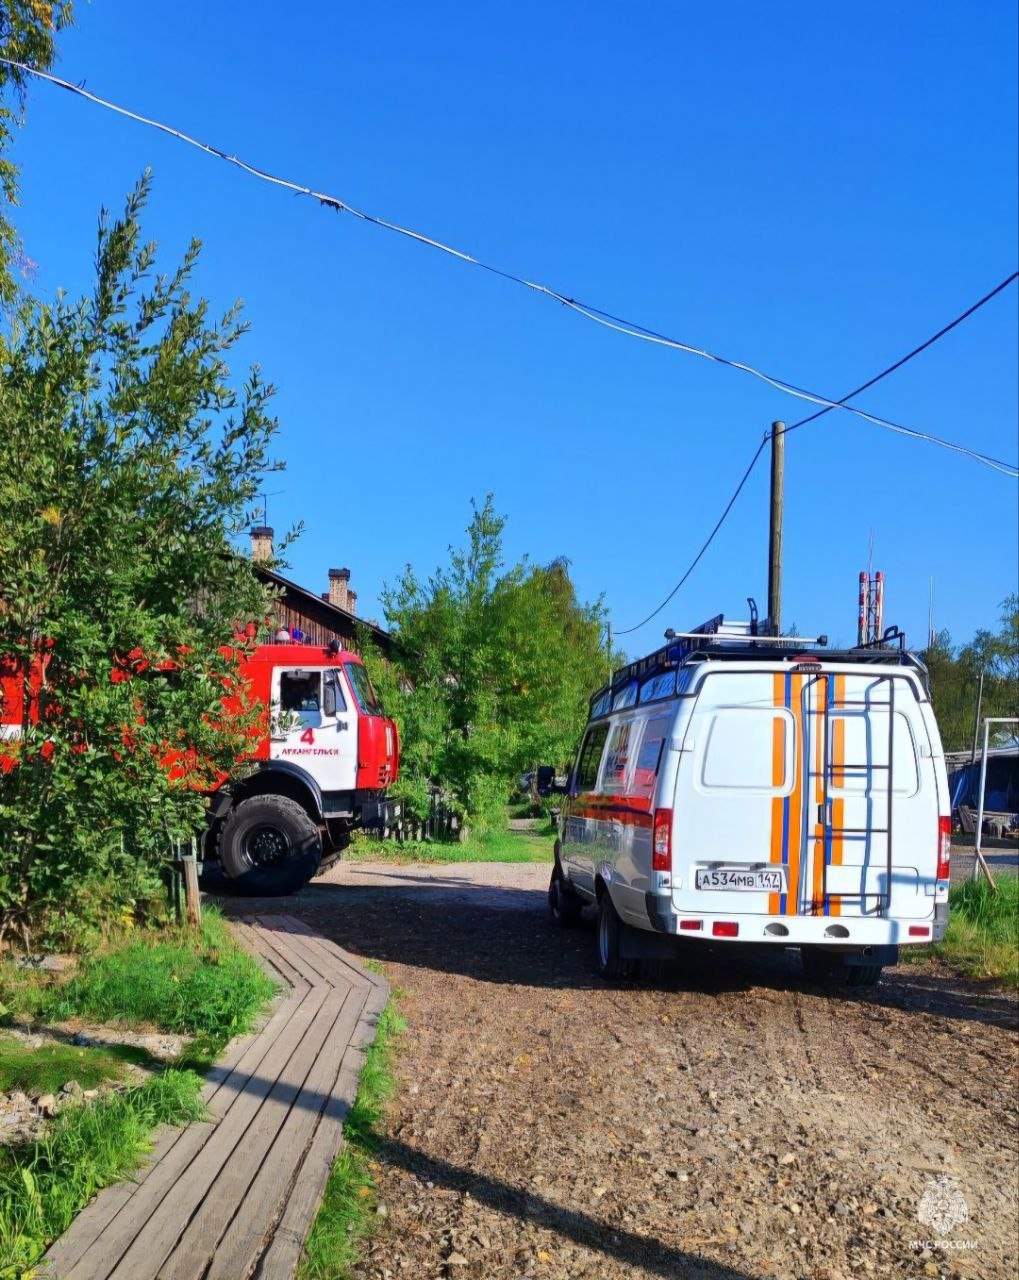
[[792, 788]]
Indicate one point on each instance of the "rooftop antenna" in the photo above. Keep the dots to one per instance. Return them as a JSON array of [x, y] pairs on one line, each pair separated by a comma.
[[265, 503]]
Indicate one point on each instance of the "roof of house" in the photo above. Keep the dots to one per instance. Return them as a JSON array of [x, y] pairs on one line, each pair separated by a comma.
[[342, 619]]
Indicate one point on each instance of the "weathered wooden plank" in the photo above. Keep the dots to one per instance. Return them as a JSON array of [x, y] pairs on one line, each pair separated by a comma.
[[257, 938], [243, 1239], [333, 951], [288, 942], [99, 1216], [336, 957], [327, 962], [220, 1193], [230, 1198], [193, 1160], [284, 1251]]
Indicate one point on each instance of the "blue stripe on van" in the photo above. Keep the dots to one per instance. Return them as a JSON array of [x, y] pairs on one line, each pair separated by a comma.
[[785, 802]]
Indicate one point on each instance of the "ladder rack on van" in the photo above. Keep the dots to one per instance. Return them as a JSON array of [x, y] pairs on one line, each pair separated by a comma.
[[717, 640]]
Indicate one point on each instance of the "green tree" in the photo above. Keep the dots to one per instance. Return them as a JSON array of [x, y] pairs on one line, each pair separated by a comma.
[[491, 671], [27, 29], [127, 460], [955, 678]]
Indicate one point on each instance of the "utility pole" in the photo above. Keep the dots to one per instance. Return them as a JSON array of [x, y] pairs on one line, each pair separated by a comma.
[[775, 530]]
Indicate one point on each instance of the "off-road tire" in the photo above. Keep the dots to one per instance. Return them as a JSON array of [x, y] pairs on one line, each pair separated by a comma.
[[564, 906], [269, 845]]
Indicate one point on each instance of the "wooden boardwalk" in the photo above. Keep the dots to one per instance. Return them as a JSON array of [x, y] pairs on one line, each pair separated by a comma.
[[235, 1196]]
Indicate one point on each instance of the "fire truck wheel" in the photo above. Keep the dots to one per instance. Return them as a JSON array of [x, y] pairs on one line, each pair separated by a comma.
[[611, 964], [269, 845], [564, 906], [828, 969]]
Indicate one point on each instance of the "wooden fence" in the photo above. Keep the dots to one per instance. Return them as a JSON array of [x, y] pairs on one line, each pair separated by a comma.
[[442, 824]]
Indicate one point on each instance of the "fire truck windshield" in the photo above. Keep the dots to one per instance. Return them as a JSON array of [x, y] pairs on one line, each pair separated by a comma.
[[363, 691]]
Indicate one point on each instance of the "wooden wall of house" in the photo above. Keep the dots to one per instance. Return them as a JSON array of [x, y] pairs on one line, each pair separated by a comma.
[[290, 614]]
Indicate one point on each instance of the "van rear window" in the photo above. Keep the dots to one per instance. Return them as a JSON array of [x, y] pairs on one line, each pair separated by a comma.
[[749, 749]]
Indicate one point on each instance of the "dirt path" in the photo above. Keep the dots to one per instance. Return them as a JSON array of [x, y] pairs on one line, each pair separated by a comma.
[[716, 1122]]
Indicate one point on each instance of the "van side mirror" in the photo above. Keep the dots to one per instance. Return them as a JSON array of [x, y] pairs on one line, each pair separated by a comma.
[[329, 699]]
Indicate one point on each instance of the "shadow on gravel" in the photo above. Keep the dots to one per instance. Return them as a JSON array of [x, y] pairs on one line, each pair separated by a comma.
[[614, 1242], [501, 936]]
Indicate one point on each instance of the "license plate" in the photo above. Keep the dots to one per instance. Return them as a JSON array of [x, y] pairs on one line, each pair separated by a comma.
[[748, 879]]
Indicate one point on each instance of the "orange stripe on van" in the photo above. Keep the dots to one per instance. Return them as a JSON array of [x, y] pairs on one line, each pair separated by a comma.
[[817, 903], [838, 808], [777, 781], [792, 902]]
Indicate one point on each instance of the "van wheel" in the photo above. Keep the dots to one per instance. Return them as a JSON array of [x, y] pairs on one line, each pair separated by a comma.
[[829, 969], [611, 963], [563, 904], [269, 845]]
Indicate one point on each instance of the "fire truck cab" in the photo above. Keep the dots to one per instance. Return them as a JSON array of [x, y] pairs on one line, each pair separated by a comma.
[[320, 769]]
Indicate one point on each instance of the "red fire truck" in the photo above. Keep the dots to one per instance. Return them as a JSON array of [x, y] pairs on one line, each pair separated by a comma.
[[319, 766]]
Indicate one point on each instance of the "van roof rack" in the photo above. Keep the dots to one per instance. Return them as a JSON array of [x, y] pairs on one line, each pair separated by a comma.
[[717, 639]]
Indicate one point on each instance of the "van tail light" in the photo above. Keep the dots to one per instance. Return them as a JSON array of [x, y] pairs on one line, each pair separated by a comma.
[[944, 847], [661, 841]]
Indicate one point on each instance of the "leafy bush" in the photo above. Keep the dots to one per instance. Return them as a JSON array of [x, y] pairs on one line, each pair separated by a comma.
[[117, 582]]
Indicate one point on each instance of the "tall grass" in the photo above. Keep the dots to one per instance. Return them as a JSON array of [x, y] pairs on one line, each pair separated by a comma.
[[204, 985], [982, 938], [43, 1185], [347, 1212]]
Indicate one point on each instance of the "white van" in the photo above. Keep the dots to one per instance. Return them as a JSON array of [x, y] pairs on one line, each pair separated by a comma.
[[738, 788]]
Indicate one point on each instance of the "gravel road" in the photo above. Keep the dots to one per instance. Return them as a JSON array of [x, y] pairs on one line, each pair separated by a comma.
[[720, 1120]]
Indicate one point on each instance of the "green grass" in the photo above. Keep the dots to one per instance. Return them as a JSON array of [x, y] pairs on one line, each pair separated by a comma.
[[982, 938], [43, 1185], [51, 1066], [505, 846], [202, 985], [348, 1211]]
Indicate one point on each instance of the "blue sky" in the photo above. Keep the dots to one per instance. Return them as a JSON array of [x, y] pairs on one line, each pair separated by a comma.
[[813, 189]]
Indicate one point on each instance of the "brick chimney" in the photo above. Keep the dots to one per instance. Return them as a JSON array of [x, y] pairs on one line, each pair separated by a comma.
[[261, 543], [339, 587], [351, 601]]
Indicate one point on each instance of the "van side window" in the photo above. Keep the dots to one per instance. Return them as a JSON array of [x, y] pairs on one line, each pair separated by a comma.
[[590, 757], [617, 759], [649, 756]]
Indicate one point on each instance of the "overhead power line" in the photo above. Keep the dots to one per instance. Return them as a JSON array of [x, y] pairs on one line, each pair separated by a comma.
[[596, 314], [802, 423], [707, 543]]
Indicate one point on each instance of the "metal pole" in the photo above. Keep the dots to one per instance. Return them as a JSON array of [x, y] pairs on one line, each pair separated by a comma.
[[976, 721], [775, 528], [978, 859], [608, 647]]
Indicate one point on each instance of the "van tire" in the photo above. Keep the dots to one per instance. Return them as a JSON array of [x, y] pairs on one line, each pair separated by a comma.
[[564, 905], [828, 969], [269, 845], [611, 963]]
